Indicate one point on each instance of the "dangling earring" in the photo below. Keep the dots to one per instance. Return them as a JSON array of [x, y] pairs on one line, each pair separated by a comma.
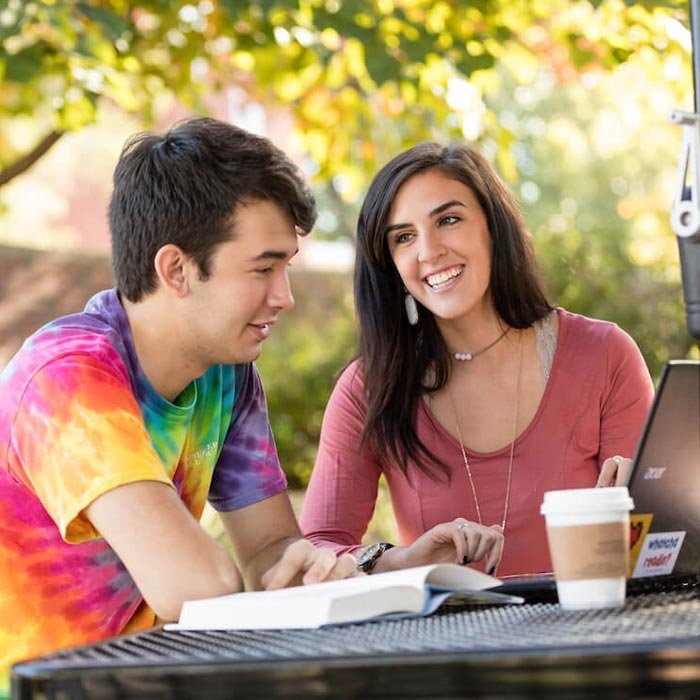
[[411, 309]]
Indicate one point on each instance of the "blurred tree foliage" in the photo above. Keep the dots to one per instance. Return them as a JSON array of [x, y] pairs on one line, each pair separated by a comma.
[[365, 78], [300, 361], [595, 173]]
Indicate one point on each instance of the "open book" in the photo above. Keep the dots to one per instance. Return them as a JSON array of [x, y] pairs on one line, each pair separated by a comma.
[[416, 591]]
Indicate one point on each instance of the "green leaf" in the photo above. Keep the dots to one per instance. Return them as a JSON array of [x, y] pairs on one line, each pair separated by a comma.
[[468, 63], [111, 24], [343, 23], [236, 8], [381, 66], [96, 47], [417, 50], [25, 66]]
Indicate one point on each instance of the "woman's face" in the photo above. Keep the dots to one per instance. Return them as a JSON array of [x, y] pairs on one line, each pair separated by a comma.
[[439, 241]]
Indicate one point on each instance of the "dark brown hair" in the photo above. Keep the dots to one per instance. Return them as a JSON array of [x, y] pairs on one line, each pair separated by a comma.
[[396, 358], [183, 187]]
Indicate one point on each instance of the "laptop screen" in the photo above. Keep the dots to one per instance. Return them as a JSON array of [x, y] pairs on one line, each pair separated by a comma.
[[665, 478]]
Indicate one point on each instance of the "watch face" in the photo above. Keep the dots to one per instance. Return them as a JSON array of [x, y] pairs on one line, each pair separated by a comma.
[[369, 554]]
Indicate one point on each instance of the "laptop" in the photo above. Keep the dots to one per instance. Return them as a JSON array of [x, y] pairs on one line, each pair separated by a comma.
[[665, 479], [664, 483]]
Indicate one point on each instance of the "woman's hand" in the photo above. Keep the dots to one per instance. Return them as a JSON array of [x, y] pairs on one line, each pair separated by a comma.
[[614, 471], [459, 541]]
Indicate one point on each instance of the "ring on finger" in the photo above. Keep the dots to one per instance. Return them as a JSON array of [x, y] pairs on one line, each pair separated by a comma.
[[462, 527]]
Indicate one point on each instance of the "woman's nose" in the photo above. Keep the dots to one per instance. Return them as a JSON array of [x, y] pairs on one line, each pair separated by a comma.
[[430, 247]]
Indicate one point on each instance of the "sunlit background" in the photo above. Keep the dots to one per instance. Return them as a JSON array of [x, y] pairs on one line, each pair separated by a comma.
[[569, 100]]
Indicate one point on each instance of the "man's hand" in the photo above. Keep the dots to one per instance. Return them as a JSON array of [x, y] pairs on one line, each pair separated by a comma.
[[303, 563], [614, 471], [459, 541]]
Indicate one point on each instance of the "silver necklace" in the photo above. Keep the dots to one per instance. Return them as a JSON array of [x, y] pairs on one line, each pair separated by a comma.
[[469, 356]]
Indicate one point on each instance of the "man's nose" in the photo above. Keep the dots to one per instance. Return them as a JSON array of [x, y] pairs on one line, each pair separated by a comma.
[[281, 296]]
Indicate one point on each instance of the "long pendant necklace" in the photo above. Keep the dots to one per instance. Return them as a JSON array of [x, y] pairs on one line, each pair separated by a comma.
[[512, 445], [469, 356]]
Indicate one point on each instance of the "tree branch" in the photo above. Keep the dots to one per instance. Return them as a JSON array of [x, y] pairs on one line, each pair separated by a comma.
[[26, 162]]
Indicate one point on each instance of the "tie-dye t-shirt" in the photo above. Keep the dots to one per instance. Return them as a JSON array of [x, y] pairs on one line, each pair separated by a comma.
[[78, 418]]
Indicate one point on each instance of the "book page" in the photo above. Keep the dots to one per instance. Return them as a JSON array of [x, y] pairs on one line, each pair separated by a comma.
[[454, 576], [352, 599]]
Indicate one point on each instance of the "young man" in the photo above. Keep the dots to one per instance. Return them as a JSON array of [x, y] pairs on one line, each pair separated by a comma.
[[118, 423]]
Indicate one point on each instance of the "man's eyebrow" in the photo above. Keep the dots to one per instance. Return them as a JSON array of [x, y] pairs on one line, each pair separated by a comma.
[[438, 210], [274, 255]]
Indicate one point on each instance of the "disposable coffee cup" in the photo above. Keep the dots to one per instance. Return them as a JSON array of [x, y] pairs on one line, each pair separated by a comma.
[[588, 531]]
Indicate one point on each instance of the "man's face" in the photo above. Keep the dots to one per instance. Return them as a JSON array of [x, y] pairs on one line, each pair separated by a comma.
[[232, 312]]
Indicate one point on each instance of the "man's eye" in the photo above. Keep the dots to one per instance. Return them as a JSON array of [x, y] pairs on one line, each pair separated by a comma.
[[264, 270]]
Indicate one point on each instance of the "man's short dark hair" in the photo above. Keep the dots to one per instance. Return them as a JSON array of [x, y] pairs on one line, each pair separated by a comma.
[[183, 188]]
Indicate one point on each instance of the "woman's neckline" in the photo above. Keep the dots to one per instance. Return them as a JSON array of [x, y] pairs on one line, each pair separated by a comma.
[[541, 408]]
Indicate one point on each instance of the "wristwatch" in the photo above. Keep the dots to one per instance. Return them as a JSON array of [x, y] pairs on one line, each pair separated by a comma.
[[369, 555]]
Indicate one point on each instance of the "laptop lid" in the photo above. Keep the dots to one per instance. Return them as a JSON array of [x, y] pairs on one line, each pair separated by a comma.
[[665, 478]]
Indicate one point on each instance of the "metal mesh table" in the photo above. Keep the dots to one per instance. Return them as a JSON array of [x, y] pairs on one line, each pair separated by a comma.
[[650, 645]]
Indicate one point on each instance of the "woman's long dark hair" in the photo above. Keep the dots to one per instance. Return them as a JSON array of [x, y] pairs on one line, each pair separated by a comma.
[[397, 358]]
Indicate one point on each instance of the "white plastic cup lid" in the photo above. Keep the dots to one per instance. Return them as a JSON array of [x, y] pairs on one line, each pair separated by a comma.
[[610, 498]]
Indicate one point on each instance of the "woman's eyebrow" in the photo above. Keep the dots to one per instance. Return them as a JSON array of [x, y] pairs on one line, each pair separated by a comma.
[[447, 205], [438, 210]]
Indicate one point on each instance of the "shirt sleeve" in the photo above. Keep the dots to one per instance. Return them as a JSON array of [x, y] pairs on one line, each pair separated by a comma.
[[342, 492], [626, 399], [77, 434], [248, 469]]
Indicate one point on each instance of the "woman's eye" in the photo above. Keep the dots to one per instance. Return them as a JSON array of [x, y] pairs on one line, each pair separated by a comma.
[[402, 238], [449, 220]]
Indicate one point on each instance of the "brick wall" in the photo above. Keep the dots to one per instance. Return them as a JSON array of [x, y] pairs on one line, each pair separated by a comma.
[[37, 286]]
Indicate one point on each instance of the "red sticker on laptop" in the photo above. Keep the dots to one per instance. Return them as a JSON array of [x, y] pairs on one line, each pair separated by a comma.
[[639, 526]]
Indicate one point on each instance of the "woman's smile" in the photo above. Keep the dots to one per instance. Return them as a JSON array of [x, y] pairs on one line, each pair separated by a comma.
[[442, 279]]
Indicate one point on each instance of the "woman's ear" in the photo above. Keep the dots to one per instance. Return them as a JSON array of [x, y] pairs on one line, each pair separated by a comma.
[[172, 266]]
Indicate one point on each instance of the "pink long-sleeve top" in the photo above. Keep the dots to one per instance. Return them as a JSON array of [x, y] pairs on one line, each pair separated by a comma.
[[594, 405]]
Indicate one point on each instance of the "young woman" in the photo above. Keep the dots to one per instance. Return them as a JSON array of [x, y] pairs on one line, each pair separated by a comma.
[[471, 393]]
